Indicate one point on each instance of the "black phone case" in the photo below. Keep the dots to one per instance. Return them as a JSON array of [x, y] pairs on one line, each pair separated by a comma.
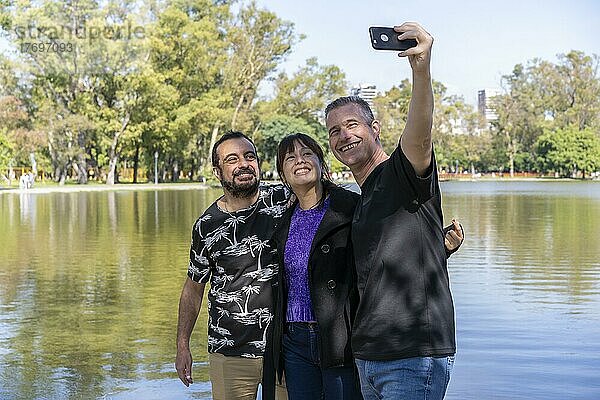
[[448, 228], [383, 38]]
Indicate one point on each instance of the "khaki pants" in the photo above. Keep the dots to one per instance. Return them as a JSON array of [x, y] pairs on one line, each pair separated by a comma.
[[237, 378]]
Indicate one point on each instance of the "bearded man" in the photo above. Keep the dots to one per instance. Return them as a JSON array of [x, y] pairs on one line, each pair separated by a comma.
[[230, 248]]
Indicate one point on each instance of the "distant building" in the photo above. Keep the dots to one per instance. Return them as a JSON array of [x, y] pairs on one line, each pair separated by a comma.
[[365, 92], [486, 104]]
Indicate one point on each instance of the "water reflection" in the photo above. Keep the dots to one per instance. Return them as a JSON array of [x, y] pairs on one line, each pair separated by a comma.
[[27, 206], [90, 291], [526, 288], [544, 244], [90, 284]]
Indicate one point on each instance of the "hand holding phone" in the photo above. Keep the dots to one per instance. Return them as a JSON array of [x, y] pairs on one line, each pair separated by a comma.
[[384, 38], [454, 235]]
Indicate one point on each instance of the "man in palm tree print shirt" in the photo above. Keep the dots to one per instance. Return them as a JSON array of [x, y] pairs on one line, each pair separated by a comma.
[[230, 249]]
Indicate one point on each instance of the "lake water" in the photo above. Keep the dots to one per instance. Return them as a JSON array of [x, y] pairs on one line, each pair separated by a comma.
[[90, 283]]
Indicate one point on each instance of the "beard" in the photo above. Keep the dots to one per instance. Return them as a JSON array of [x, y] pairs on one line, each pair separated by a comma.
[[243, 189]]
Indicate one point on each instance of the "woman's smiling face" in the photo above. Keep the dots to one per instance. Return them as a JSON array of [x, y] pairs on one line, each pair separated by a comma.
[[301, 166]]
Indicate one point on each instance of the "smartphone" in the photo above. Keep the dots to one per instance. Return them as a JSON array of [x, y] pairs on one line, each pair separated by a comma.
[[448, 229], [383, 38]]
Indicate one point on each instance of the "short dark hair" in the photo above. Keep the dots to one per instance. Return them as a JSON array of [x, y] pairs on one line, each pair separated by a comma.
[[288, 144], [361, 103], [227, 136]]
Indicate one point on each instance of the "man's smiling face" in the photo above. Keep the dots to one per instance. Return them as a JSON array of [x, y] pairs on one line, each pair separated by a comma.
[[238, 168], [352, 139]]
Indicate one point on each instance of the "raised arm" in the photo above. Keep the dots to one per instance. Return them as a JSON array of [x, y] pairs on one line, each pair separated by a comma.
[[416, 138], [189, 307]]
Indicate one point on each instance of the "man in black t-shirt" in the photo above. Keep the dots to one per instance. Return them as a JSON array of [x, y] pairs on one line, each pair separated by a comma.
[[403, 335], [231, 250]]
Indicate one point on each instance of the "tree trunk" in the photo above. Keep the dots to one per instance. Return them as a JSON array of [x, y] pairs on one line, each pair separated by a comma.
[[213, 140], [175, 171], [81, 169], [236, 112], [511, 153], [192, 170], [112, 166], [511, 162], [53, 157], [255, 131], [136, 161], [113, 154], [60, 173], [82, 176], [62, 176], [33, 164], [10, 174]]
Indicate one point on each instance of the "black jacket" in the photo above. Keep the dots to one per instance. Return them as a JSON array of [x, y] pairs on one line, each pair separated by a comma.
[[331, 280]]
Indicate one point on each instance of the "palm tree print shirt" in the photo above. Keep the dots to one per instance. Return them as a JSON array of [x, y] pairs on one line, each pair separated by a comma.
[[232, 250]]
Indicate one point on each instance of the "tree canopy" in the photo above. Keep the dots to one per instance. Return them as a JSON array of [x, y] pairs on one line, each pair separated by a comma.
[[92, 87]]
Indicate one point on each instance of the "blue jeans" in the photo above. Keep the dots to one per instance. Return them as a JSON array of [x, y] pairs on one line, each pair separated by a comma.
[[422, 378], [304, 377]]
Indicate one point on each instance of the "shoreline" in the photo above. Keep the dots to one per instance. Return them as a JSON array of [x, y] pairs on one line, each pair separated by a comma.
[[100, 187], [71, 188]]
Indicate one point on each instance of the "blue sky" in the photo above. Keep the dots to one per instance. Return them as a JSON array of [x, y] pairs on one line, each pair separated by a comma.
[[476, 42]]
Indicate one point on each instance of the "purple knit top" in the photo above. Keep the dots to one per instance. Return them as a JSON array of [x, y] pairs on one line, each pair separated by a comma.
[[303, 228]]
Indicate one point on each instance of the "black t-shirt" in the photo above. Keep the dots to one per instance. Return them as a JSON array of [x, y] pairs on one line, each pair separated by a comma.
[[405, 308], [233, 251]]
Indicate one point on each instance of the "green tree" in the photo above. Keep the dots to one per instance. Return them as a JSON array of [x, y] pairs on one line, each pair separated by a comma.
[[218, 81], [306, 93], [545, 95], [297, 107], [259, 42], [151, 115], [574, 91], [456, 130], [195, 71], [6, 148], [123, 86], [520, 113], [276, 128], [391, 110], [5, 152], [454, 121], [59, 82], [5, 17], [569, 150], [196, 74], [18, 140]]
